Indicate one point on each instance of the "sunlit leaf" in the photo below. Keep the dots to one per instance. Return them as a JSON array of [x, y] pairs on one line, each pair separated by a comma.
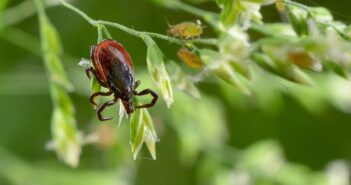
[[157, 70], [321, 14], [142, 131], [219, 65], [66, 138], [235, 47], [298, 17], [182, 81], [51, 48], [150, 136], [230, 12], [278, 29], [137, 129], [122, 113]]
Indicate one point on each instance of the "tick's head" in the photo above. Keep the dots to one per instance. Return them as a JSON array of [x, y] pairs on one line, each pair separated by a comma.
[[127, 99], [128, 106]]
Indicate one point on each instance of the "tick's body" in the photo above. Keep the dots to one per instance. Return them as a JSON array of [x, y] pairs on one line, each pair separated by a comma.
[[113, 67], [114, 70]]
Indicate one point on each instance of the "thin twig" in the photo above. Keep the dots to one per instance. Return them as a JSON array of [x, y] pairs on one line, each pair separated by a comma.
[[140, 34]]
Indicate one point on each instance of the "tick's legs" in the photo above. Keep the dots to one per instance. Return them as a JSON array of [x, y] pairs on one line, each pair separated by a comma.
[[136, 84], [90, 70], [144, 92], [102, 108], [98, 94]]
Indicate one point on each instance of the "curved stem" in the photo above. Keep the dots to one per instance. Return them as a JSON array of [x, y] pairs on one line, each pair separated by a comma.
[[82, 14], [100, 24], [106, 32], [120, 27], [100, 36]]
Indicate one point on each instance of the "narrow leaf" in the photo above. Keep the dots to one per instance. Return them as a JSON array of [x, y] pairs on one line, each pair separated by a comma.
[[136, 132], [182, 81], [142, 130], [157, 70], [219, 66], [63, 126]]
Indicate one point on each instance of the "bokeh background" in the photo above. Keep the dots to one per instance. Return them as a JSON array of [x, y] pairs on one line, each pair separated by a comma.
[[223, 138]]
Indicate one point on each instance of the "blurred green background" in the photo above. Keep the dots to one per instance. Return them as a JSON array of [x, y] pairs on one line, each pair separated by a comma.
[[223, 138]]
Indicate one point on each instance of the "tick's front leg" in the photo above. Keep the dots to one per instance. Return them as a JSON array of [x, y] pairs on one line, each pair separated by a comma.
[[136, 84], [92, 97], [153, 101], [90, 70], [102, 108]]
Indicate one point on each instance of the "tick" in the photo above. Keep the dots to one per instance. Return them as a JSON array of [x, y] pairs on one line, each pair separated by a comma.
[[113, 69]]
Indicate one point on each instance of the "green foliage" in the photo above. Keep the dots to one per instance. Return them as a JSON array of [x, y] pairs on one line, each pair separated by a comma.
[[284, 51], [157, 70], [182, 81], [306, 56], [63, 125], [142, 130], [3, 4]]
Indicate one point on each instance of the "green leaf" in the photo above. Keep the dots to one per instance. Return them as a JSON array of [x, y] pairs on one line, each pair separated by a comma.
[[230, 12], [226, 73], [136, 132], [321, 14], [66, 137], [284, 65], [150, 136], [298, 19], [235, 46], [51, 48], [288, 72], [278, 29], [241, 12], [142, 130], [219, 65], [266, 62], [182, 81], [157, 70], [122, 113]]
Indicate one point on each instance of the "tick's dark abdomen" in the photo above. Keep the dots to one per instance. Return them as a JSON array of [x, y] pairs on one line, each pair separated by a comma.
[[113, 66], [120, 77]]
